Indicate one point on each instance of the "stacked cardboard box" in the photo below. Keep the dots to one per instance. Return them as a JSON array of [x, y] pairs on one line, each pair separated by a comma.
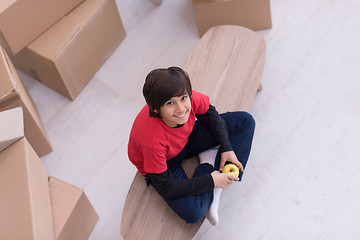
[[252, 14], [32, 204], [14, 94], [25, 197], [68, 54], [62, 43], [21, 21]]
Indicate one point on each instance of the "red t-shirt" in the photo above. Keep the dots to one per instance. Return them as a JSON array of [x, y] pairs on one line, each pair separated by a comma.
[[152, 142]]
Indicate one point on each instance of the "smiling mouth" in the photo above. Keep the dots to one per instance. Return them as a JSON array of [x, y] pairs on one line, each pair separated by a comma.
[[181, 116]]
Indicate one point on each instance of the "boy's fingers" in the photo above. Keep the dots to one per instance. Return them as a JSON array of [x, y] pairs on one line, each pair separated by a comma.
[[241, 167], [232, 177], [222, 163], [235, 178]]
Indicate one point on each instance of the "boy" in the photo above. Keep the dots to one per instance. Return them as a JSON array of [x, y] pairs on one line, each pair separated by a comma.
[[166, 132]]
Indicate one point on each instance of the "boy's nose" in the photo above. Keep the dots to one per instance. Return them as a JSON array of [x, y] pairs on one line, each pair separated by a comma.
[[180, 108]]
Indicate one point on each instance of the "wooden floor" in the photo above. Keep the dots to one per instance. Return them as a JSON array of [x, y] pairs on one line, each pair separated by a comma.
[[303, 177]]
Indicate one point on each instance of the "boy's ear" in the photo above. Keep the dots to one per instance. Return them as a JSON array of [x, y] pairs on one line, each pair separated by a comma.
[[156, 111]]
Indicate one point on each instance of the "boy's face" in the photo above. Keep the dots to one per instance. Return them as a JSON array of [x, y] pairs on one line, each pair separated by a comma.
[[176, 110]]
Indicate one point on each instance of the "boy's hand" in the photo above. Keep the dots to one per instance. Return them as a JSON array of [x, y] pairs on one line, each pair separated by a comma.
[[222, 180], [231, 157]]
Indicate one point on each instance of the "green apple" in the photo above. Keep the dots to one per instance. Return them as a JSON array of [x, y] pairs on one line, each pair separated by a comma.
[[231, 169]]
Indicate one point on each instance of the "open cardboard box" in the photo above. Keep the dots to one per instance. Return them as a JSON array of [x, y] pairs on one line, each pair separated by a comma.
[[25, 199], [11, 127], [14, 94], [67, 55], [73, 215], [21, 21], [33, 205], [252, 14]]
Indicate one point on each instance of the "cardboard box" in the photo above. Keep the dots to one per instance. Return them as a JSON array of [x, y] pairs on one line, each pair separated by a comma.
[[252, 14], [21, 21], [68, 55], [73, 215], [14, 94], [25, 199], [11, 127]]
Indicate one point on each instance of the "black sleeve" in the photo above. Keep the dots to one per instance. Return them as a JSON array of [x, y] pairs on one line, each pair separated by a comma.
[[170, 187], [218, 128]]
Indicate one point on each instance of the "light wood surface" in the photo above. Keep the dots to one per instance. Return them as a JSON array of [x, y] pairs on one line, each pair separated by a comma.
[[227, 59], [230, 75]]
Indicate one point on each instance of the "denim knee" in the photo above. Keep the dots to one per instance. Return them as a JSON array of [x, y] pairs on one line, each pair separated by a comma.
[[194, 214], [240, 121], [249, 121]]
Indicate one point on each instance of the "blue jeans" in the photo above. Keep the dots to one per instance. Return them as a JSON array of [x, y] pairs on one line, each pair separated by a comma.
[[241, 126]]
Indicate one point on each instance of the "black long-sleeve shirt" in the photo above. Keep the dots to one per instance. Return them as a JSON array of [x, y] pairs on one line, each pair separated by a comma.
[[170, 187]]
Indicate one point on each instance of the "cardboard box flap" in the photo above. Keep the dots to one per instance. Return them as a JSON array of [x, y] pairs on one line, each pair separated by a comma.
[[50, 43], [74, 216], [11, 127], [59, 189], [63, 198], [25, 198], [6, 4], [8, 88]]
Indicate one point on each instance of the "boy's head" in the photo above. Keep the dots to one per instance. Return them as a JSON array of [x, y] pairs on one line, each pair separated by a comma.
[[163, 84]]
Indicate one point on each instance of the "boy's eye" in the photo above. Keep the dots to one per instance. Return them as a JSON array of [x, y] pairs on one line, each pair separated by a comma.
[[184, 97], [169, 103]]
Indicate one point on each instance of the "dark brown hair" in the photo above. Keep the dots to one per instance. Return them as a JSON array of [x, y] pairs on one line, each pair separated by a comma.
[[163, 84]]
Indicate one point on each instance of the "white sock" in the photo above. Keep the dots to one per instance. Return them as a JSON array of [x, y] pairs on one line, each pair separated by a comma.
[[213, 215], [208, 156]]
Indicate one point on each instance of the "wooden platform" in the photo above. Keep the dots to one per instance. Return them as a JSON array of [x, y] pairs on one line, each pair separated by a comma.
[[226, 64]]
